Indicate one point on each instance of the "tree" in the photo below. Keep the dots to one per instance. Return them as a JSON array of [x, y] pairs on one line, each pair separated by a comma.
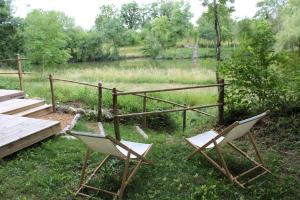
[[269, 9], [110, 28], [214, 7], [11, 41], [158, 37], [45, 38], [180, 19], [131, 15], [288, 36]]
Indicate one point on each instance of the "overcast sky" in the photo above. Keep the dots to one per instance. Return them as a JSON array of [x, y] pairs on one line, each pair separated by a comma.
[[85, 11]]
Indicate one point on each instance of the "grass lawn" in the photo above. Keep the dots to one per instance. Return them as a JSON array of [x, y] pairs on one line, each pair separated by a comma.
[[51, 170]]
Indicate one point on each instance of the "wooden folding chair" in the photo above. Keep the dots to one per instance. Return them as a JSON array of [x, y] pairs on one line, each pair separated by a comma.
[[123, 150], [212, 140]]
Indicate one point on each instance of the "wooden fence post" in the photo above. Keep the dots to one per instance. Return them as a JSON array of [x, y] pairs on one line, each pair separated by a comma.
[[221, 101], [184, 120], [99, 114], [52, 93], [115, 112], [144, 110], [20, 72]]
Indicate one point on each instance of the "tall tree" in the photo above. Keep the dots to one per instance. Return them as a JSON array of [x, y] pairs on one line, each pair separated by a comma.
[[11, 41], [110, 27], [45, 37], [214, 6], [131, 15]]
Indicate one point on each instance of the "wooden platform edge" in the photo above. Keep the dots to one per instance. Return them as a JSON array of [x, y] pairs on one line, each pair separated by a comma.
[[29, 140]]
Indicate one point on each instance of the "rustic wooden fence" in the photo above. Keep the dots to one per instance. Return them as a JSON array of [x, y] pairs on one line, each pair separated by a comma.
[[184, 108], [99, 87], [20, 72], [145, 95]]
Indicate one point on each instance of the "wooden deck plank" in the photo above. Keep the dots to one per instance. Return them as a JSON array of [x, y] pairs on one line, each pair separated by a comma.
[[18, 105], [20, 132], [23, 129], [28, 141], [11, 94]]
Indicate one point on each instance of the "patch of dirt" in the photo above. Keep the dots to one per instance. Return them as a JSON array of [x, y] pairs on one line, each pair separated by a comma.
[[64, 118]]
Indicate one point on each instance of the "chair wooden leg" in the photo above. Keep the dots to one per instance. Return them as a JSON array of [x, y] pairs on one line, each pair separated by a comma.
[[223, 161], [253, 142], [123, 183], [86, 158]]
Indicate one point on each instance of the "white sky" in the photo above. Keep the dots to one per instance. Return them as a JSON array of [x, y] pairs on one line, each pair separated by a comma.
[[85, 12]]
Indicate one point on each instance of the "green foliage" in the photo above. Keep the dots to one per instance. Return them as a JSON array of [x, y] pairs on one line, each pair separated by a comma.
[[45, 37], [158, 37], [269, 9], [130, 12], [11, 41], [288, 36], [253, 81], [206, 22], [110, 28]]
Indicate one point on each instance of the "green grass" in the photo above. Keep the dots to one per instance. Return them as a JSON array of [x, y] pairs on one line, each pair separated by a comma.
[[128, 75], [51, 170]]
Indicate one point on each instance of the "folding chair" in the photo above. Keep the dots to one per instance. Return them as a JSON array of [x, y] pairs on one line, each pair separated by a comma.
[[212, 140], [123, 150]]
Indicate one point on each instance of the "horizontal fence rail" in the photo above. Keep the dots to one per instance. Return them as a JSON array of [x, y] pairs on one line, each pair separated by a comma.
[[170, 89], [15, 73], [167, 111]]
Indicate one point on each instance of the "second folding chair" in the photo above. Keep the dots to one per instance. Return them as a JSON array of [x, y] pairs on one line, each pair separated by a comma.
[[212, 140], [124, 150]]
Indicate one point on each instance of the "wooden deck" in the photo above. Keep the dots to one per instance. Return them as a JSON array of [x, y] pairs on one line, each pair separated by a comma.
[[17, 132], [14, 106], [11, 94]]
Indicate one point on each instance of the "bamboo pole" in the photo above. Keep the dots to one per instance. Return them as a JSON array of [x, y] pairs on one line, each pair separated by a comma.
[[99, 114], [145, 110], [115, 113], [52, 93], [221, 102], [20, 72]]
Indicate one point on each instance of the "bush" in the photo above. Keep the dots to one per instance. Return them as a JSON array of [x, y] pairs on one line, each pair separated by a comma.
[[252, 73]]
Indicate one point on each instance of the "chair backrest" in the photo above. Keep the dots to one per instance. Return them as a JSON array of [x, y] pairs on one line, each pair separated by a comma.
[[243, 127], [98, 143]]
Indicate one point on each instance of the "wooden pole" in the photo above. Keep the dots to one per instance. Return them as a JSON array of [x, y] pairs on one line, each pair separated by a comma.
[[20, 72], [221, 102], [144, 110], [184, 120], [99, 114], [52, 94], [115, 113]]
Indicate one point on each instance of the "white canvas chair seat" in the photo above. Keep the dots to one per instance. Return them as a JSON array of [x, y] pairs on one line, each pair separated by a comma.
[[124, 150], [212, 140], [139, 148], [201, 139]]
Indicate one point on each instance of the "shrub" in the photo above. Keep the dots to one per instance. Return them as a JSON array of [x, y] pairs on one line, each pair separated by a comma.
[[254, 81]]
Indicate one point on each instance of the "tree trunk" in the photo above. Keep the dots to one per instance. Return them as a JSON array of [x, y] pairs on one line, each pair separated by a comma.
[[218, 38]]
